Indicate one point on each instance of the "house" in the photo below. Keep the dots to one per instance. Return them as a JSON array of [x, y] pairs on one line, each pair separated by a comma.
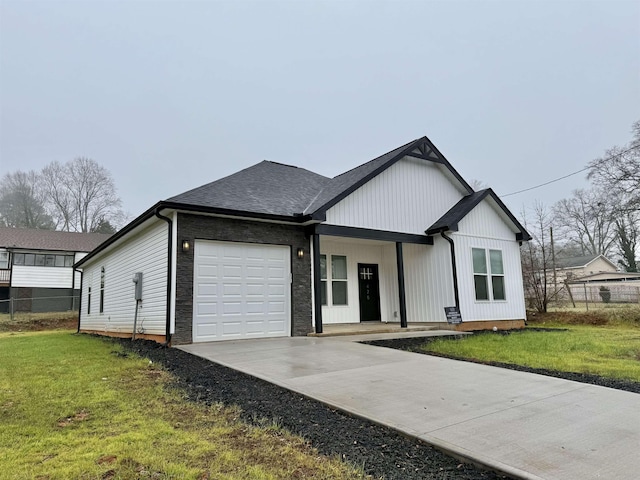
[[277, 250], [36, 268], [570, 268]]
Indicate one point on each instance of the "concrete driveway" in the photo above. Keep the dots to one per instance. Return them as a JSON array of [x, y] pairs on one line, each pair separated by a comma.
[[526, 425]]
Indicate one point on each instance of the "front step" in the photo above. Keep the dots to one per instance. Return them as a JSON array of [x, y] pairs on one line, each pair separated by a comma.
[[381, 328]]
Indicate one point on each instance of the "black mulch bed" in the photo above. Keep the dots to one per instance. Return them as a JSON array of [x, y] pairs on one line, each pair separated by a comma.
[[382, 452], [412, 344]]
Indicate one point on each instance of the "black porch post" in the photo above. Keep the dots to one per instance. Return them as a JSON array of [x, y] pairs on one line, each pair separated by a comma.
[[317, 283], [403, 302]]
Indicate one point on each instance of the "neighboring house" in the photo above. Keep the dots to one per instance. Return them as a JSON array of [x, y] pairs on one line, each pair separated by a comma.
[[276, 250], [570, 268], [36, 268]]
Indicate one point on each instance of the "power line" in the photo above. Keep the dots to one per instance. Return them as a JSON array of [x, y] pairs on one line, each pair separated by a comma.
[[570, 174]]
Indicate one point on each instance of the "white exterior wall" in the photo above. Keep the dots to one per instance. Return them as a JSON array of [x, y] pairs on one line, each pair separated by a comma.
[[407, 197], [483, 228], [42, 277], [78, 256], [145, 252], [428, 281], [361, 251]]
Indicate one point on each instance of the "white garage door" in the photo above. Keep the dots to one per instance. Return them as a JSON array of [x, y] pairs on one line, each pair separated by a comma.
[[241, 290]]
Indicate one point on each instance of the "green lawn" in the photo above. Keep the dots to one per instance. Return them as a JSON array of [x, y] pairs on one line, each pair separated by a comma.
[[72, 406], [610, 351]]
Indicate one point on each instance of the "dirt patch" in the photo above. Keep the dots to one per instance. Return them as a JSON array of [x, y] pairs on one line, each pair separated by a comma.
[[596, 318], [380, 451], [38, 322], [80, 416]]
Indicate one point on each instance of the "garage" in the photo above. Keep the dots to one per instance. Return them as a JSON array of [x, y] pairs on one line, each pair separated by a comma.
[[241, 290]]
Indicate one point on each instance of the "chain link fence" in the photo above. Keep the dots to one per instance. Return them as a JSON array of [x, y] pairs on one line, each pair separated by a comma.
[[39, 304]]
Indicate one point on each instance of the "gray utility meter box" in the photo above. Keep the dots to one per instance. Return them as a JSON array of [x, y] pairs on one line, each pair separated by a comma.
[[137, 280]]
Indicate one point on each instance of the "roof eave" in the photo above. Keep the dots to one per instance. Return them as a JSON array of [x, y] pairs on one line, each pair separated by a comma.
[[165, 205]]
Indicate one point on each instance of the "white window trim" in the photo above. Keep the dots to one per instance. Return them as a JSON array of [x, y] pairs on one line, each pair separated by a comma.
[[345, 280], [329, 280], [488, 275], [491, 275]]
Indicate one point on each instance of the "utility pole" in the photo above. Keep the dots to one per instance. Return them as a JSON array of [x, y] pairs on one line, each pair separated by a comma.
[[553, 261]]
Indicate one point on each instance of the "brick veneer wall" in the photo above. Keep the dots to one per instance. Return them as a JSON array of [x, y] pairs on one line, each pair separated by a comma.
[[195, 227]]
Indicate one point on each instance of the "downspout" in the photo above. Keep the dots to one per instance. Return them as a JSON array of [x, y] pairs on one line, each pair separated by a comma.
[[80, 299], [73, 286], [453, 268], [169, 272]]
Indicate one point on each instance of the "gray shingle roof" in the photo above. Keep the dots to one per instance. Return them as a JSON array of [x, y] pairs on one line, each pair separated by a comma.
[[450, 220], [342, 183], [32, 239], [572, 262], [267, 187], [274, 189]]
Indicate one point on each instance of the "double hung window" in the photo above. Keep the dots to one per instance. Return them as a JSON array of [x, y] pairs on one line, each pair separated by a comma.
[[488, 274], [337, 272]]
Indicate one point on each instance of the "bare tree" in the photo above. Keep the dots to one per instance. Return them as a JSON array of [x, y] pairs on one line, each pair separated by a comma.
[[537, 262], [58, 195], [619, 170], [477, 185], [82, 195], [618, 174], [586, 219], [22, 202]]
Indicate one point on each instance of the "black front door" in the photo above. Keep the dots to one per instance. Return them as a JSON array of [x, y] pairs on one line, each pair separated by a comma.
[[369, 287]]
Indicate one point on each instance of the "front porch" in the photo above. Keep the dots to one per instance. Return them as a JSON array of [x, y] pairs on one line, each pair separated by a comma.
[[367, 281]]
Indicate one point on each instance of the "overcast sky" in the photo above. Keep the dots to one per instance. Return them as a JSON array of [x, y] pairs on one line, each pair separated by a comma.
[[172, 95]]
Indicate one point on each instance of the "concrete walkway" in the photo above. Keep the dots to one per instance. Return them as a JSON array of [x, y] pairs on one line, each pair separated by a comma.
[[526, 425]]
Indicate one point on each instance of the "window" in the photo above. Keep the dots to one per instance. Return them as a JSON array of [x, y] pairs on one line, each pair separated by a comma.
[[323, 279], [497, 275], [338, 280], [483, 272], [4, 260], [49, 260], [102, 290], [89, 301], [480, 273], [42, 260], [337, 271]]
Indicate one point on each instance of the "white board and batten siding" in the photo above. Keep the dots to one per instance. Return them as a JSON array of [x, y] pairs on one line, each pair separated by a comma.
[[145, 252], [241, 290], [408, 197], [428, 281], [484, 228]]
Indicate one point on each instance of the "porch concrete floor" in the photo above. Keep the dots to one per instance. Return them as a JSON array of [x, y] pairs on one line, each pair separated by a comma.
[[527, 425]]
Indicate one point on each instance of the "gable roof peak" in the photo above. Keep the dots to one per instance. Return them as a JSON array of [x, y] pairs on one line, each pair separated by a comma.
[[450, 220]]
